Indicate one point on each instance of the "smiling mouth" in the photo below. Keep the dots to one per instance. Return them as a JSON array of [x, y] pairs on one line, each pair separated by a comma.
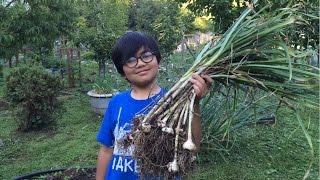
[[143, 71]]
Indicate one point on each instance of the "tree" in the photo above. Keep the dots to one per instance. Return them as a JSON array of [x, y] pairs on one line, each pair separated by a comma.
[[161, 19], [47, 21], [11, 39], [99, 25], [225, 12], [35, 24]]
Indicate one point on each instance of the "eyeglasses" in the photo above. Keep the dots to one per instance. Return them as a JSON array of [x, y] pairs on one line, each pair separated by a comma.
[[145, 57]]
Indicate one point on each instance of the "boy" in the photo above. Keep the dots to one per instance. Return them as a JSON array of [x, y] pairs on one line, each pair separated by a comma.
[[136, 57]]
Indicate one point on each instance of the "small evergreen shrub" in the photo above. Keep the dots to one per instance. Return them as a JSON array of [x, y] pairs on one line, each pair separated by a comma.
[[88, 56], [33, 92], [53, 62]]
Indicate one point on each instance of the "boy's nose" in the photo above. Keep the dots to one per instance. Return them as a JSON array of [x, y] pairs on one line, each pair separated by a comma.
[[140, 62]]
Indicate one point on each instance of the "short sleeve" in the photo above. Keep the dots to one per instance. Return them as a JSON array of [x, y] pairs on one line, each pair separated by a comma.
[[105, 134]]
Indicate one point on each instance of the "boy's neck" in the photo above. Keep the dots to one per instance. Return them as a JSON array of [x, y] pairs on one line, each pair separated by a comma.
[[141, 93]]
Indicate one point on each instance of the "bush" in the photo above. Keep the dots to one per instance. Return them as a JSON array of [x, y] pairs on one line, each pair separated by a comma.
[[53, 62], [88, 55], [34, 94]]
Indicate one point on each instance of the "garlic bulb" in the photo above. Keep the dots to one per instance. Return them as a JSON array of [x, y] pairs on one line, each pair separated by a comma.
[[173, 166]]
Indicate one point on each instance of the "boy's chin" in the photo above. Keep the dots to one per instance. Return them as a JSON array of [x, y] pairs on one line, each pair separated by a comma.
[[143, 83]]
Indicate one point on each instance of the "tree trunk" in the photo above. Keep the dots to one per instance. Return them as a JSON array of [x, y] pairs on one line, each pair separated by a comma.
[[69, 69], [1, 72], [41, 56], [10, 62], [72, 70], [60, 53], [79, 59], [61, 68], [71, 53], [102, 68], [17, 59]]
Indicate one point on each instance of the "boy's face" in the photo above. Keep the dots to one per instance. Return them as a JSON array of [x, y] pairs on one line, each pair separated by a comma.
[[143, 74]]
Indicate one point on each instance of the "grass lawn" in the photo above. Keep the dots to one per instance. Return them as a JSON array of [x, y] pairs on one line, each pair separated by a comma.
[[70, 143], [279, 151]]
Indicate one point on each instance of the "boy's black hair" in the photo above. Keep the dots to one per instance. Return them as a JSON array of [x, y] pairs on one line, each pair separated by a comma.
[[129, 44]]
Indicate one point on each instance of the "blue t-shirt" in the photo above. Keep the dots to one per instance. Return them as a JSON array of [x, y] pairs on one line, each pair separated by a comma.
[[117, 122]]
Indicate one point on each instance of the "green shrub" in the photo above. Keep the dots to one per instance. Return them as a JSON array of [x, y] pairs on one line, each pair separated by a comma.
[[53, 62], [33, 92], [89, 55]]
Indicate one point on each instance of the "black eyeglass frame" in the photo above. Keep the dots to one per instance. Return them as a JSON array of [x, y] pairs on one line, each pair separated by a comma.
[[143, 59]]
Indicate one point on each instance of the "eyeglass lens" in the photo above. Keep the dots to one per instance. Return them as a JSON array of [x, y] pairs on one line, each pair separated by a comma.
[[145, 57]]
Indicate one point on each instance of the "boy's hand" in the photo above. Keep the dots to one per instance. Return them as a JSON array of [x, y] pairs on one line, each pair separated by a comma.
[[201, 84]]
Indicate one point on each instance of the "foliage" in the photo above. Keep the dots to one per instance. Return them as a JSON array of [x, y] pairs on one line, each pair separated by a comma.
[[262, 151], [228, 109], [306, 34], [88, 55], [98, 25], [225, 12], [10, 39], [33, 24], [186, 20], [89, 71], [173, 67], [169, 34], [53, 62], [104, 85], [161, 19], [34, 92], [203, 24], [49, 20], [109, 84]]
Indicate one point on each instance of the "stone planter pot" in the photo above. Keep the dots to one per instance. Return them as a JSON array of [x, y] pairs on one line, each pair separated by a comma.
[[99, 102]]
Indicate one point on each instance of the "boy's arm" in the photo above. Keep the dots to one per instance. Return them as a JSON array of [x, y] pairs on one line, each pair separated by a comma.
[[104, 157]]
